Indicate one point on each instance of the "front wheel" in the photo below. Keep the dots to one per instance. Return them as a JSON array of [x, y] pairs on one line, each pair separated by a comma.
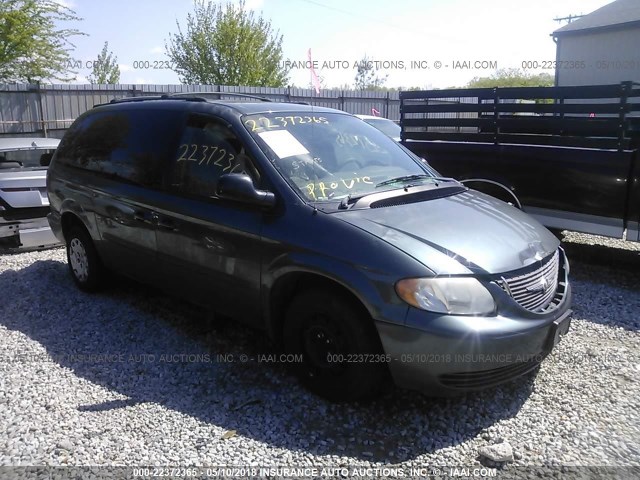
[[84, 263], [340, 349]]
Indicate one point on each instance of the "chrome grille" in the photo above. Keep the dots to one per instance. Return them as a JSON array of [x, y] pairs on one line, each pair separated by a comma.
[[535, 290]]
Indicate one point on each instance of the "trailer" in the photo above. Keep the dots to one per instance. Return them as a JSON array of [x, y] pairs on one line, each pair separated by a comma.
[[566, 155]]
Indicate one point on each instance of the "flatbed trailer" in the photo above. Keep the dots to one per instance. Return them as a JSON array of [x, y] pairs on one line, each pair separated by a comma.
[[566, 155]]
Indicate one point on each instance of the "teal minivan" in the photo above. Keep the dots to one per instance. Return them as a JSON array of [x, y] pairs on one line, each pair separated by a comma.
[[309, 223]]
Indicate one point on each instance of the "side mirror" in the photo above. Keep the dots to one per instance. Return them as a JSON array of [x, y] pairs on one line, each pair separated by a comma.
[[45, 159], [240, 188]]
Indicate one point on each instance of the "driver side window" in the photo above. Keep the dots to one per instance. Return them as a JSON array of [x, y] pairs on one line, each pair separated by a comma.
[[207, 149]]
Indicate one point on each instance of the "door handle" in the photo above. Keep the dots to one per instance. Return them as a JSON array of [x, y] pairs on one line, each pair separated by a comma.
[[166, 224], [162, 222], [141, 216]]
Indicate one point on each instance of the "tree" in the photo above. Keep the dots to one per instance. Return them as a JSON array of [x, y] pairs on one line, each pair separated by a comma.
[[512, 77], [227, 45], [367, 75], [105, 69], [32, 46]]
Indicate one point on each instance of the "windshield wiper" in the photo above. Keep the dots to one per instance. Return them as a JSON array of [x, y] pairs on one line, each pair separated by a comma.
[[349, 199], [404, 178], [408, 178]]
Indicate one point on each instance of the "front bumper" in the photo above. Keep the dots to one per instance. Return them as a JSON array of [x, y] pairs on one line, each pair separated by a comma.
[[444, 355]]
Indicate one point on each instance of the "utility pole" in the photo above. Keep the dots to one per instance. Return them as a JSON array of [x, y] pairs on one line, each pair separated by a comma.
[[568, 19]]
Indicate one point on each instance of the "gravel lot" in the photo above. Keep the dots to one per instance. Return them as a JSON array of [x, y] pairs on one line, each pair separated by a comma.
[[159, 396]]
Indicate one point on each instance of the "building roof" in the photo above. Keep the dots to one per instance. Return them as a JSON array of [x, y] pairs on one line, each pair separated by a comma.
[[617, 14]]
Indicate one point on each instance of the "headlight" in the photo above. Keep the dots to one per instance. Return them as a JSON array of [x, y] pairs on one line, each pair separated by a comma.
[[456, 295]]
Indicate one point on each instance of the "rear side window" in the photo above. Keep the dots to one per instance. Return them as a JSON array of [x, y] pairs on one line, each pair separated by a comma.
[[207, 149], [132, 145]]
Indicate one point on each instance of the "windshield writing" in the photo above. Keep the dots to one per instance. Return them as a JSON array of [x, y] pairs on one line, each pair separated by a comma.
[[327, 157]]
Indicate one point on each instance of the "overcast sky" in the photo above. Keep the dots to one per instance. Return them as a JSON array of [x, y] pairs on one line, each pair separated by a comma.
[[409, 37]]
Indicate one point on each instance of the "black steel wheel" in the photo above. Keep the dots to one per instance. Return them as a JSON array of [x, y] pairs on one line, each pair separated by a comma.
[[339, 346]]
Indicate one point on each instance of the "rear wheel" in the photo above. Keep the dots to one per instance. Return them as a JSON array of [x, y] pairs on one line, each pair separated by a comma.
[[84, 264], [340, 348]]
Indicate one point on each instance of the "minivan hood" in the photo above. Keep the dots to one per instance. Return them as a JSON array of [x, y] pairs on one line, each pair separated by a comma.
[[463, 233]]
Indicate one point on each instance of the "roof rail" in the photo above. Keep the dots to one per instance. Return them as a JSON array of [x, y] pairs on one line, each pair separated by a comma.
[[219, 94], [131, 99], [189, 96], [128, 99]]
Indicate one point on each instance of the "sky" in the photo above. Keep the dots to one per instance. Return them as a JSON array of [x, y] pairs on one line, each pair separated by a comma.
[[416, 43]]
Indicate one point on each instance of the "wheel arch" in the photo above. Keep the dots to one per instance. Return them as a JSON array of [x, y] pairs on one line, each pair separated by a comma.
[[73, 213], [68, 220], [289, 284]]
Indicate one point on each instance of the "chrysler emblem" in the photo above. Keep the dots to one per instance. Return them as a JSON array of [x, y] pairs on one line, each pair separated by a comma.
[[541, 287]]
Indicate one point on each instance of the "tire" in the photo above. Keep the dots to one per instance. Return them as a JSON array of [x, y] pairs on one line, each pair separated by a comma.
[[324, 327], [84, 263]]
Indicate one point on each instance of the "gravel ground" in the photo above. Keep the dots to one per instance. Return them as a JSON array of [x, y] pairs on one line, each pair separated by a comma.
[[159, 394]]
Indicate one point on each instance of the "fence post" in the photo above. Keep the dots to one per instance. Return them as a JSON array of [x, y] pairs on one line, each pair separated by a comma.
[[625, 88], [386, 106], [496, 101], [401, 112], [41, 110]]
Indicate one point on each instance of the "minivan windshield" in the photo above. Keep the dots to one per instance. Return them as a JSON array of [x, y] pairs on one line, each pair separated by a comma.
[[386, 126], [330, 156]]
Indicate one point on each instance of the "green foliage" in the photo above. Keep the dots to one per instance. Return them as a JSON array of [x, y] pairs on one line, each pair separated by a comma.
[[512, 77], [32, 47], [227, 45], [367, 76], [105, 69]]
